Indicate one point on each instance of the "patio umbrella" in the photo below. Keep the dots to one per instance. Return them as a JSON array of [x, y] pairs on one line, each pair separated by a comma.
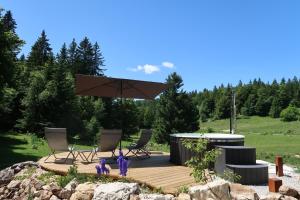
[[102, 86]]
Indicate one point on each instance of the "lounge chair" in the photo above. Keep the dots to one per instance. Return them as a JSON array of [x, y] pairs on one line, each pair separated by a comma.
[[140, 147], [57, 142], [109, 140]]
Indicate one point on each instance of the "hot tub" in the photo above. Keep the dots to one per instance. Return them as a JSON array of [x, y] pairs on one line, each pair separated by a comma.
[[179, 154]]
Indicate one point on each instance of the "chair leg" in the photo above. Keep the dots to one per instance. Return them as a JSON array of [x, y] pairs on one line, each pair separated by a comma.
[[130, 150], [67, 157], [50, 154], [93, 155]]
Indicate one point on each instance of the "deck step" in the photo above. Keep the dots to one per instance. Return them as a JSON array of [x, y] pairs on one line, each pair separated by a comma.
[[238, 155], [250, 174]]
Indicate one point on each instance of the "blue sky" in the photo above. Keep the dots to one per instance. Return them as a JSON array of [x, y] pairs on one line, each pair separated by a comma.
[[207, 42]]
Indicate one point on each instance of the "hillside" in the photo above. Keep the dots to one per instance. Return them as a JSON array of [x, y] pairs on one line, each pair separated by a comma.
[[270, 136]]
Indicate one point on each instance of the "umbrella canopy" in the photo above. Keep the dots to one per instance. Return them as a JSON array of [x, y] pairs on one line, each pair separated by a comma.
[[117, 87]]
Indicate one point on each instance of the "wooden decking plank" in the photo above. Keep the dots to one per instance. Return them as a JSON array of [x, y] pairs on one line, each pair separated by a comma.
[[156, 171]]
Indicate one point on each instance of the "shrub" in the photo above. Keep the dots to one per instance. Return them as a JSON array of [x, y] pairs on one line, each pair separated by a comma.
[[183, 189], [202, 161], [35, 141], [291, 113]]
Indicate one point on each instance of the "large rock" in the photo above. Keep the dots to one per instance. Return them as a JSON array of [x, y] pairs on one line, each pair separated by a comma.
[[45, 195], [288, 191], [54, 188], [25, 183], [288, 198], [38, 184], [272, 196], [6, 175], [156, 197], [14, 184], [53, 197], [218, 189], [25, 164], [242, 192], [65, 194], [115, 191], [183, 196], [72, 185], [84, 191]]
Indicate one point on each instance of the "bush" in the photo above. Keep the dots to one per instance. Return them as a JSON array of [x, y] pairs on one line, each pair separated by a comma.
[[291, 113], [202, 161]]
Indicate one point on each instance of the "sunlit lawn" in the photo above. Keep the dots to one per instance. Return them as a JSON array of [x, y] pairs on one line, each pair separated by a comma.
[[270, 136], [16, 147]]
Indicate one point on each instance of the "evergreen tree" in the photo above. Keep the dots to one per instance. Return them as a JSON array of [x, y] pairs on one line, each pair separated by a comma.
[[175, 111], [85, 57], [10, 46], [276, 108], [9, 24], [223, 104], [62, 57], [41, 53], [72, 57], [98, 61]]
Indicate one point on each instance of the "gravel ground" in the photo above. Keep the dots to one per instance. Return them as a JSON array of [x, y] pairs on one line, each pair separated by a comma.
[[290, 178]]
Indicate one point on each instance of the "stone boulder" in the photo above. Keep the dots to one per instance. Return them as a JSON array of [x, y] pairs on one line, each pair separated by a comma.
[[53, 197], [54, 188], [242, 192], [183, 196], [84, 191], [156, 197], [288, 191], [45, 195], [14, 184], [65, 194], [6, 175], [218, 189], [115, 191], [72, 185], [272, 196]]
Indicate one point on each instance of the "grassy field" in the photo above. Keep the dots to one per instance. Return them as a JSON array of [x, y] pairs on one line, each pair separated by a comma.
[[270, 136]]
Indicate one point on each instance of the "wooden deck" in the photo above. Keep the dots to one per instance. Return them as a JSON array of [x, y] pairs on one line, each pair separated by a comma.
[[156, 172]]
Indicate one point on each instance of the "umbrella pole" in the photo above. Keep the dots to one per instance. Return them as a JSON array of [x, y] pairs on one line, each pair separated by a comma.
[[121, 84]]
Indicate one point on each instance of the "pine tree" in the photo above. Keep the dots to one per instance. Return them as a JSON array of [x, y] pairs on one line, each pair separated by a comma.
[[41, 53], [98, 61], [223, 104], [72, 57], [276, 108], [86, 57], [9, 24], [62, 57], [175, 111]]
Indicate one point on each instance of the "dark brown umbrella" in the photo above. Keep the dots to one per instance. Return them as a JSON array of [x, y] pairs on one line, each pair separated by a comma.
[[116, 87], [102, 86]]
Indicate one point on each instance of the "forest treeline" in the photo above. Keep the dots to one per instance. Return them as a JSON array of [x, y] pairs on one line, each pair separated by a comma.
[[37, 90], [253, 98]]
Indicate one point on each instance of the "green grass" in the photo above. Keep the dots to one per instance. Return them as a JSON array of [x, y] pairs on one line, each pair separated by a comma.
[[270, 136], [260, 125], [17, 147]]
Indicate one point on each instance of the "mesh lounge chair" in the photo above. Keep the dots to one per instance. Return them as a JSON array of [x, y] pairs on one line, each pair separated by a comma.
[[57, 142], [109, 140], [140, 146]]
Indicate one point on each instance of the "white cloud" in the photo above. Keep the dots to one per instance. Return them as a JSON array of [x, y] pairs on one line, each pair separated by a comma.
[[168, 64], [147, 69]]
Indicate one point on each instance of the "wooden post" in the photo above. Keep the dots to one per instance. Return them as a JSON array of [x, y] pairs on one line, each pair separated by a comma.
[[279, 165], [274, 184]]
